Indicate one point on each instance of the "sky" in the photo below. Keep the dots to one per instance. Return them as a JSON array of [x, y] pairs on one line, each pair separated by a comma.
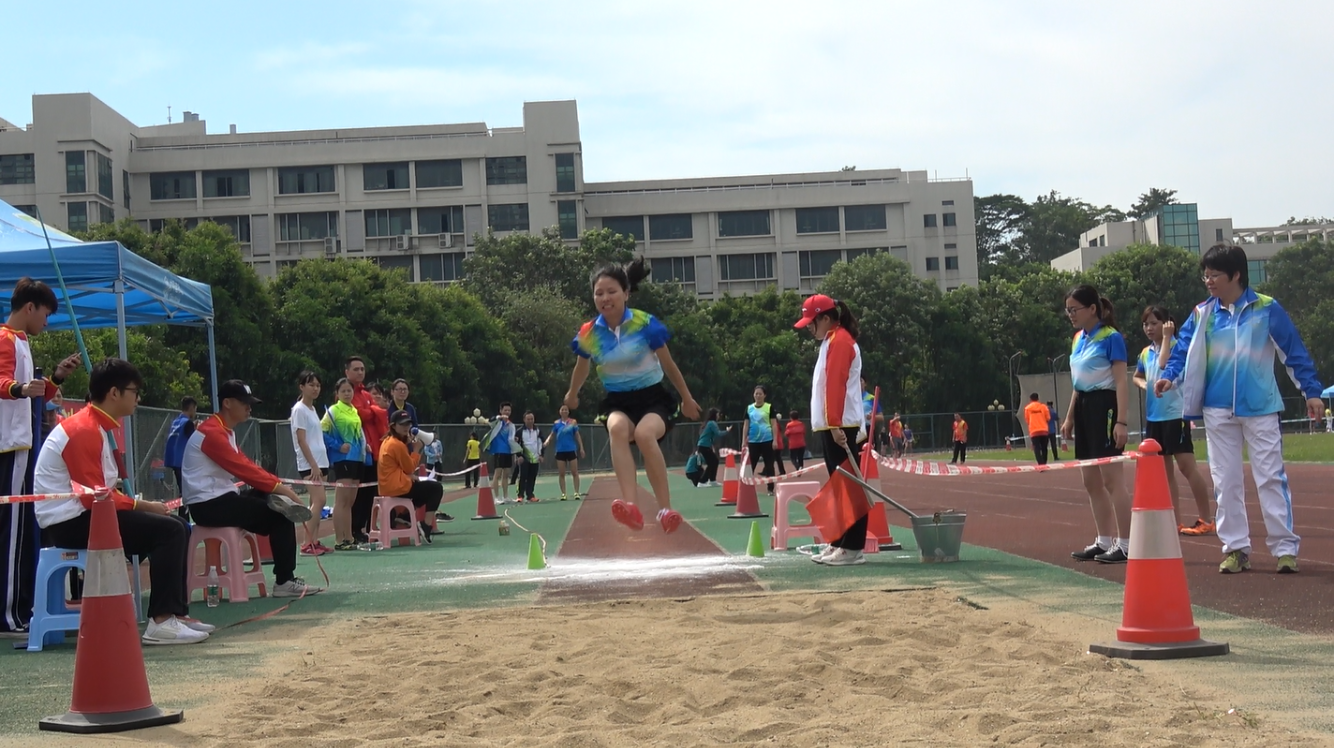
[[1228, 102]]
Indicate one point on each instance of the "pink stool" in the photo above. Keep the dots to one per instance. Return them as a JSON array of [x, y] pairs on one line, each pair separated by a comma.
[[784, 494], [234, 578], [382, 524]]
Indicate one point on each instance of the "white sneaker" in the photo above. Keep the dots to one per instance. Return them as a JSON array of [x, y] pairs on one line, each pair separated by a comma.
[[294, 512], [843, 557], [198, 625], [820, 557], [172, 631], [296, 587]]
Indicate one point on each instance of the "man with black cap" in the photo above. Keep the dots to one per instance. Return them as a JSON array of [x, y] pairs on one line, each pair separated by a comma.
[[211, 465]]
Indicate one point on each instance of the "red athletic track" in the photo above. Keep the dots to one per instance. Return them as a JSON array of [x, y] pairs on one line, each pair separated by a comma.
[[1045, 516]]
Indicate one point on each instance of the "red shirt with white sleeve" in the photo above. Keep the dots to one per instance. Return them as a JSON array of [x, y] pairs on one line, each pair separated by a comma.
[[77, 452], [213, 463]]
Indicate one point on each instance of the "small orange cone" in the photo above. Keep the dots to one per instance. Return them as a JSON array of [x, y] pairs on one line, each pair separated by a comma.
[[877, 521], [1156, 623], [110, 685], [747, 502], [730, 484], [486, 503]]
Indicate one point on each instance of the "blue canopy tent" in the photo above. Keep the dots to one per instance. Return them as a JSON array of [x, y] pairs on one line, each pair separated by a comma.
[[107, 284]]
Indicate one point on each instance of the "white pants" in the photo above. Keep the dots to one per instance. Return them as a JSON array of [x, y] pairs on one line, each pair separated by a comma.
[[1225, 434]]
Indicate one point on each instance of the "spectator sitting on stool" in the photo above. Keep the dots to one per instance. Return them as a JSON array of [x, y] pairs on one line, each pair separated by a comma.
[[266, 508]]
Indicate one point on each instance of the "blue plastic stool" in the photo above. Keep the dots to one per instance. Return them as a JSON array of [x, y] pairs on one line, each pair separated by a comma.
[[51, 618]]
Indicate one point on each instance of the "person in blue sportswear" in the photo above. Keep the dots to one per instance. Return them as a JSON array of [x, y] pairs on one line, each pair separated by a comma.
[[1224, 365]]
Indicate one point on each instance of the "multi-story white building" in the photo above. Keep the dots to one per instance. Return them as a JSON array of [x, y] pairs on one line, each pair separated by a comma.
[[414, 197]]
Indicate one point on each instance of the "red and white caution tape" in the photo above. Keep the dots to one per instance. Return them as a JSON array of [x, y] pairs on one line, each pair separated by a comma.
[[753, 481], [945, 469]]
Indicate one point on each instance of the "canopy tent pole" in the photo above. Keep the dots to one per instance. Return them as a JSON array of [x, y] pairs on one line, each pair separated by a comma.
[[128, 447], [212, 365], [69, 303]]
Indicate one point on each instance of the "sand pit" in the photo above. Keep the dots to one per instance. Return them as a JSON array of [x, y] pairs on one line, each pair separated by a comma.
[[862, 668]]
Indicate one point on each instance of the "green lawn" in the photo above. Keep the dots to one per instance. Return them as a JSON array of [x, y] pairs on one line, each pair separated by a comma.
[[1317, 447]]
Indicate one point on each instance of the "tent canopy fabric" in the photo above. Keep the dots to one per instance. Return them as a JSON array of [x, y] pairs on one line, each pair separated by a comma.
[[1329, 391], [94, 273]]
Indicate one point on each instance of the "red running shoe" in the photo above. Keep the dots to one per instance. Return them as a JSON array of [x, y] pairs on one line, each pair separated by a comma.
[[669, 519], [627, 514]]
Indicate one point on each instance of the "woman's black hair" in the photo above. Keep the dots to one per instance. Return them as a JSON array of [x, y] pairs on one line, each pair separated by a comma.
[[629, 275], [1158, 312], [307, 376], [763, 389], [793, 415], [339, 385], [1227, 259], [1088, 296], [713, 415], [845, 318]]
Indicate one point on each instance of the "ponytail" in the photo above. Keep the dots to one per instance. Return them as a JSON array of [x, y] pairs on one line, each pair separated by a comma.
[[1106, 312], [843, 315], [629, 275], [1088, 296]]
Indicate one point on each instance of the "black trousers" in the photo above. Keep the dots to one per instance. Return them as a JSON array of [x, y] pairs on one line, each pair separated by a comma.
[[427, 493], [855, 537], [527, 478], [1039, 447], [710, 463], [763, 451], [960, 453], [361, 508], [798, 457], [471, 477], [18, 542], [164, 539], [249, 510]]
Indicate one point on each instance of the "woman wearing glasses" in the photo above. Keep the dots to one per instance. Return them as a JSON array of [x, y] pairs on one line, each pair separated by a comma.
[[1096, 419]]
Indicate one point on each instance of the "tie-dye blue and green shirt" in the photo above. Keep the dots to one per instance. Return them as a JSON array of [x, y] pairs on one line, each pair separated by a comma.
[[1170, 406], [1091, 357], [625, 356]]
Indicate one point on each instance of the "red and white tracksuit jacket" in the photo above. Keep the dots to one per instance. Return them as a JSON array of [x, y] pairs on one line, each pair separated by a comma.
[[836, 392], [212, 464]]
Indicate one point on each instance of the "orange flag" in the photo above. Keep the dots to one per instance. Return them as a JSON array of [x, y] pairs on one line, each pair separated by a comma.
[[838, 505]]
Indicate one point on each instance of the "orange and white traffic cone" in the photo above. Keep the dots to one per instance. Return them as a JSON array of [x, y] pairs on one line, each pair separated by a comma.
[[110, 685], [486, 503], [1156, 623], [877, 520], [730, 484], [747, 502]]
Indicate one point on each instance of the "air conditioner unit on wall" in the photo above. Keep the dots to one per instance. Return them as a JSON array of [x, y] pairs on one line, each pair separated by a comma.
[[330, 245], [446, 241], [402, 243]]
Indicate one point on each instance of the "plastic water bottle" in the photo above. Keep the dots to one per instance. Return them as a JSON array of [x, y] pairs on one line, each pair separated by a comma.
[[211, 591]]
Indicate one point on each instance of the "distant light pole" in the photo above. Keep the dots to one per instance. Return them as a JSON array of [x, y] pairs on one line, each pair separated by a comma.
[[1018, 354], [1056, 390]]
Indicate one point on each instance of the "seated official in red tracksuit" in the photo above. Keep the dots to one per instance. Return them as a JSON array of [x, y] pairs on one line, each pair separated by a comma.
[[213, 462], [79, 451]]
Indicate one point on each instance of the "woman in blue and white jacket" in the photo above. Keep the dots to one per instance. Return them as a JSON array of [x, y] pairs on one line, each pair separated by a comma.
[[1226, 376]]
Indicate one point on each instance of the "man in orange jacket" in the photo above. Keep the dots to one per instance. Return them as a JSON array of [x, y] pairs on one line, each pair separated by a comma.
[[1038, 418]]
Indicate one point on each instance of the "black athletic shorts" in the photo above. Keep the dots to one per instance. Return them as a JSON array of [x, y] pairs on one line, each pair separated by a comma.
[[346, 470], [499, 462], [567, 456], [638, 403], [1173, 436], [1095, 415]]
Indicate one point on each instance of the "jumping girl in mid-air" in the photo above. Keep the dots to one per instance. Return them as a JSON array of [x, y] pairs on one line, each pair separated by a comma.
[[630, 349]]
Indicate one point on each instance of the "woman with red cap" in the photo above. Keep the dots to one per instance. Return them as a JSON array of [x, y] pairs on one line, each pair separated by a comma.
[[836, 406]]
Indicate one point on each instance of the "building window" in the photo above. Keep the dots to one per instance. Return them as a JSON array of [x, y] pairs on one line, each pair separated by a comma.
[[156, 225], [75, 175], [286, 264], [447, 173], [817, 220], [951, 288], [238, 225], [385, 176], [951, 245], [744, 223], [631, 226], [746, 267], [78, 216], [855, 253], [443, 267], [865, 217], [17, 169], [396, 262], [929, 221], [1218, 233], [171, 185], [818, 263], [1180, 226], [105, 181], [306, 180], [667, 228], [445, 220], [946, 202], [565, 172], [949, 220], [507, 170], [29, 209], [932, 264], [1256, 271], [951, 262], [125, 188], [389, 222], [295, 227], [227, 183], [568, 217], [508, 217], [672, 270], [105, 214]]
